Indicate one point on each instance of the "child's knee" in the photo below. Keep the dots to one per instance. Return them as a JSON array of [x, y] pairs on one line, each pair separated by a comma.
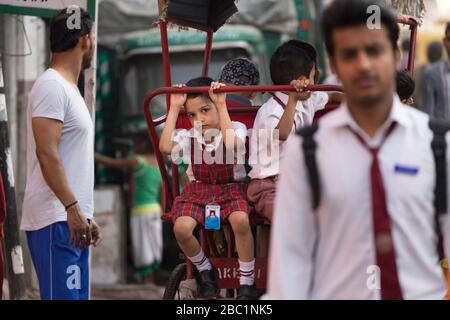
[[183, 229], [239, 222]]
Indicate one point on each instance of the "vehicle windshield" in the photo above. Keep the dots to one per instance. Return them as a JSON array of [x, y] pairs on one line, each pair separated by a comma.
[[144, 72]]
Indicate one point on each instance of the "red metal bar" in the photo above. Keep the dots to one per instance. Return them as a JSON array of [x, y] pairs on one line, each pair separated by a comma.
[[203, 240], [151, 124], [168, 83], [413, 25], [165, 58], [207, 56], [212, 245], [287, 88], [412, 50], [151, 128], [411, 21]]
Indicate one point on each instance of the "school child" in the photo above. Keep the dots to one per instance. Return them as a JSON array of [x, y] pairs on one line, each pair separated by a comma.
[[295, 63], [405, 87], [240, 72], [145, 220], [217, 184]]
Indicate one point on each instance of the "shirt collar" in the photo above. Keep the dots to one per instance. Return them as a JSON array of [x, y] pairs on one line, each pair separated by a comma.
[[399, 114], [198, 136], [284, 98]]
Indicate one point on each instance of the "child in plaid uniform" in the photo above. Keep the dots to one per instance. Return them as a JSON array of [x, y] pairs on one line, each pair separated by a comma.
[[214, 182]]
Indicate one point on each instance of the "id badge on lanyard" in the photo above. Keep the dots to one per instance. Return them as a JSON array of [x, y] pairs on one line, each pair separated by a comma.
[[212, 217]]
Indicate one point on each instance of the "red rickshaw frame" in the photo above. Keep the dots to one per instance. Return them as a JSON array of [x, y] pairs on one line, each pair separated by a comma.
[[171, 192]]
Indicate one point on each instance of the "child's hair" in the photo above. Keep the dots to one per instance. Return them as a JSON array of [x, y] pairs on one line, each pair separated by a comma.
[[240, 72], [199, 82], [142, 136], [405, 85], [351, 13], [292, 60]]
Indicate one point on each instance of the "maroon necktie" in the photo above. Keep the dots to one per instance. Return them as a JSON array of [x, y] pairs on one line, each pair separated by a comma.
[[384, 246]]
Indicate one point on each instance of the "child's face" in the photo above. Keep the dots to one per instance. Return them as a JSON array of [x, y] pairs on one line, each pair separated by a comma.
[[202, 110]]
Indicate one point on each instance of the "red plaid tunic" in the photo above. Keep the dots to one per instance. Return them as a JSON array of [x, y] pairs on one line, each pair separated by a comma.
[[214, 184]]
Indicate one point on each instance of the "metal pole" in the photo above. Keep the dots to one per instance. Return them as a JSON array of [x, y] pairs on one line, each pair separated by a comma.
[[412, 49], [207, 56], [168, 83], [13, 252]]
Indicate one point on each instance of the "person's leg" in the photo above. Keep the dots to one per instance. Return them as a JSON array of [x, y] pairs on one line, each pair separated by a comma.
[[85, 274], [184, 233], [262, 192], [240, 223], [146, 236], [262, 242], [183, 229], [245, 247], [39, 243], [70, 266]]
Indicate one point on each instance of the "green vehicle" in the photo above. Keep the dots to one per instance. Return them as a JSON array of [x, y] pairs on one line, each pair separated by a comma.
[[126, 74], [142, 68]]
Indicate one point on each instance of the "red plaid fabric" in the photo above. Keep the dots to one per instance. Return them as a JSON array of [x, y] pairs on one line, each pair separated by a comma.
[[214, 184]]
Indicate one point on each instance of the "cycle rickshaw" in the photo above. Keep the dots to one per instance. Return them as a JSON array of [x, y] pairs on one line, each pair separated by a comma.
[[225, 261]]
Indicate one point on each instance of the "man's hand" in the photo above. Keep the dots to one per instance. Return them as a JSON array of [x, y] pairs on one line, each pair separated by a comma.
[[300, 85], [177, 100], [80, 232], [217, 98], [96, 234]]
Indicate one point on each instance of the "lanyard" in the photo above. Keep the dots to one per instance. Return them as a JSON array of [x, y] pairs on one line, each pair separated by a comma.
[[283, 105]]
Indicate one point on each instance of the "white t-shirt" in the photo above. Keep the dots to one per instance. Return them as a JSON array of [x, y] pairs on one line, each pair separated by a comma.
[[264, 151], [183, 139], [55, 98]]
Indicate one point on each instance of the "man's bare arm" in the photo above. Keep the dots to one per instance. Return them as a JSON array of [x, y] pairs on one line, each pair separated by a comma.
[[47, 135]]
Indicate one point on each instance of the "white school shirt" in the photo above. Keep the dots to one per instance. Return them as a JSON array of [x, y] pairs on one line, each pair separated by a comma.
[[265, 153], [183, 139], [330, 254], [54, 97]]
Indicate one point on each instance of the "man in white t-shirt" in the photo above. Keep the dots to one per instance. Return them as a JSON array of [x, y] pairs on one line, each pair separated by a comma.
[[58, 204]]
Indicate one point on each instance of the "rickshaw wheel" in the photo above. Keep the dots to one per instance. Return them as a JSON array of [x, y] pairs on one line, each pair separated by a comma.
[[178, 287]]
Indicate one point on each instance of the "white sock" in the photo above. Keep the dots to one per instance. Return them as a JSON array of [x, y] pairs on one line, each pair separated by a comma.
[[201, 262], [247, 272]]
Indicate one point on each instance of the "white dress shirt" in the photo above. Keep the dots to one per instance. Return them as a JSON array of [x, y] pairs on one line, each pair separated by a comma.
[[265, 154], [183, 137], [329, 253]]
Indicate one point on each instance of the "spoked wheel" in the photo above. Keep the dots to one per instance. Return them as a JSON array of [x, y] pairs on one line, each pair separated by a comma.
[[178, 287]]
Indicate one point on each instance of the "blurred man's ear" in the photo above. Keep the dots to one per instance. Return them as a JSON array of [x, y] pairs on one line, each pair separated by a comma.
[[84, 41]]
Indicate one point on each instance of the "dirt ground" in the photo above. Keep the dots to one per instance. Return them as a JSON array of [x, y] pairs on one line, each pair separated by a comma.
[[113, 292]]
